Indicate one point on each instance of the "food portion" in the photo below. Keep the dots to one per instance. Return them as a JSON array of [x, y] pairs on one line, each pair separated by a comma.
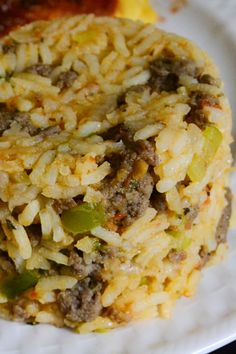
[[15, 13], [114, 163]]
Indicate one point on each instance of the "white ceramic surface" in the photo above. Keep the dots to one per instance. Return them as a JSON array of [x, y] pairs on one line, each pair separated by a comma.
[[199, 325]]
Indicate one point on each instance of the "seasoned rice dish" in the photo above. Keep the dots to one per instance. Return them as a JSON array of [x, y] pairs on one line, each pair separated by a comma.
[[114, 163]]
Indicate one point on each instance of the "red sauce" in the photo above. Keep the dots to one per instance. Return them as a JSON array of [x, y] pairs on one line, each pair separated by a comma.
[[14, 13]]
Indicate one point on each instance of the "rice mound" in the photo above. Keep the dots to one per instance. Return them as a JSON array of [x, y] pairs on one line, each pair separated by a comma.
[[114, 164]]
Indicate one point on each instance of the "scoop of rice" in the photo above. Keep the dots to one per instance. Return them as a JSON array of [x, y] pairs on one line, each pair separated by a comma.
[[114, 169]]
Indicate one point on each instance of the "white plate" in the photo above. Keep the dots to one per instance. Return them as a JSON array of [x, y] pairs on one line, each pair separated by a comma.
[[199, 325]]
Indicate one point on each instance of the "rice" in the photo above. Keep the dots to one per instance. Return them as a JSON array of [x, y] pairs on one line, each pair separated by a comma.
[[114, 172], [55, 282]]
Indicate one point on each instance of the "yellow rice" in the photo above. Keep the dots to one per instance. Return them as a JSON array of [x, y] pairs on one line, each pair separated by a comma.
[[109, 56]]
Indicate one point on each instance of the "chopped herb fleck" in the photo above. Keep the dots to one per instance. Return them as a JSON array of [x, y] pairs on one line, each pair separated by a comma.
[[133, 184], [10, 225], [16, 285]]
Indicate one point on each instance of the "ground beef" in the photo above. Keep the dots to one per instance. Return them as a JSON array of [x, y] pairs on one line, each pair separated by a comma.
[[19, 310], [116, 315], [80, 267], [6, 119], [223, 224], [9, 48], [44, 70], [221, 230], [198, 102], [65, 80], [144, 148], [19, 313], [204, 257], [83, 301], [121, 100], [175, 256], [208, 79], [136, 200], [127, 198], [6, 264], [34, 233], [165, 73], [197, 117], [63, 204], [126, 195], [158, 201], [53, 130], [118, 133], [23, 119], [107, 253], [146, 151], [83, 267], [51, 272], [191, 213]]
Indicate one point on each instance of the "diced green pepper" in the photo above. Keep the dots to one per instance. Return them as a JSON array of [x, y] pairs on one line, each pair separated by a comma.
[[197, 169], [198, 166], [144, 281], [16, 285], [83, 218], [133, 184], [96, 245], [175, 234], [84, 37], [213, 138], [10, 225], [186, 242]]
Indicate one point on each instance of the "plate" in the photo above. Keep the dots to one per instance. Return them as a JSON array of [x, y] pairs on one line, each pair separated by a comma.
[[201, 324]]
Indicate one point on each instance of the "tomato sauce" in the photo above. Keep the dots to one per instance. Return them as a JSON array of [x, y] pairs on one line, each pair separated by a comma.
[[14, 13]]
